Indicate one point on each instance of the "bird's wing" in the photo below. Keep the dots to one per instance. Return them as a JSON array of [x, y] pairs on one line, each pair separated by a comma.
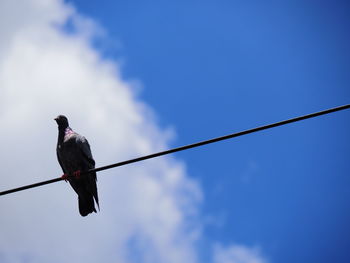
[[84, 147], [59, 160]]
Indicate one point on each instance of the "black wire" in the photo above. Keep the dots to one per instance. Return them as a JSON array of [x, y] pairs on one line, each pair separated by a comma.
[[186, 147]]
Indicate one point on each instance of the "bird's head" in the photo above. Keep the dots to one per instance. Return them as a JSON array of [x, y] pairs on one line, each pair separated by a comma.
[[62, 121]]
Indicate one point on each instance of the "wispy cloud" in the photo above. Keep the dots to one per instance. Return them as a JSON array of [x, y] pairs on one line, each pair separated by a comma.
[[237, 254], [146, 209]]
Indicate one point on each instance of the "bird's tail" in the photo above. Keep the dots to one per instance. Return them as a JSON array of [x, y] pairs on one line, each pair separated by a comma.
[[93, 189], [86, 205]]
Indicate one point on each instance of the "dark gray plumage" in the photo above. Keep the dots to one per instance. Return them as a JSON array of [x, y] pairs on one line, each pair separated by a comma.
[[74, 154]]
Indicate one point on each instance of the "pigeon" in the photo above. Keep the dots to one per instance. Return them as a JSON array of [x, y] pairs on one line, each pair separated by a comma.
[[74, 156]]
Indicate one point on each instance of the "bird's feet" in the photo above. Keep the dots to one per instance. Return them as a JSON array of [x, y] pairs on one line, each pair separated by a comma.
[[76, 174], [65, 177]]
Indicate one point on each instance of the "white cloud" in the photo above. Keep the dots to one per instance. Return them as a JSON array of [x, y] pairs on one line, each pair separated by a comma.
[[147, 209], [237, 254]]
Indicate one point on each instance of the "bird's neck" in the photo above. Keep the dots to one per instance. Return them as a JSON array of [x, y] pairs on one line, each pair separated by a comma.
[[68, 131], [62, 132]]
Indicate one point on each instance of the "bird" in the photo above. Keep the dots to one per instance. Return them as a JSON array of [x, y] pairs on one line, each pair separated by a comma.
[[75, 158]]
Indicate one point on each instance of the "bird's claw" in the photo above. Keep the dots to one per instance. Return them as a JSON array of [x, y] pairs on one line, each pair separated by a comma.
[[65, 177], [76, 174]]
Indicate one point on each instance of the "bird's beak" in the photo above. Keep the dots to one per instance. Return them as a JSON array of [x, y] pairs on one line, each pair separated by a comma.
[[56, 118]]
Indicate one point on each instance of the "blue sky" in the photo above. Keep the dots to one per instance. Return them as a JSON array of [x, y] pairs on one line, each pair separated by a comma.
[[210, 68], [200, 69]]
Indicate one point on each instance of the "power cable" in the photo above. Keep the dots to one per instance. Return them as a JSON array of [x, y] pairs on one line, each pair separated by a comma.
[[186, 147]]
